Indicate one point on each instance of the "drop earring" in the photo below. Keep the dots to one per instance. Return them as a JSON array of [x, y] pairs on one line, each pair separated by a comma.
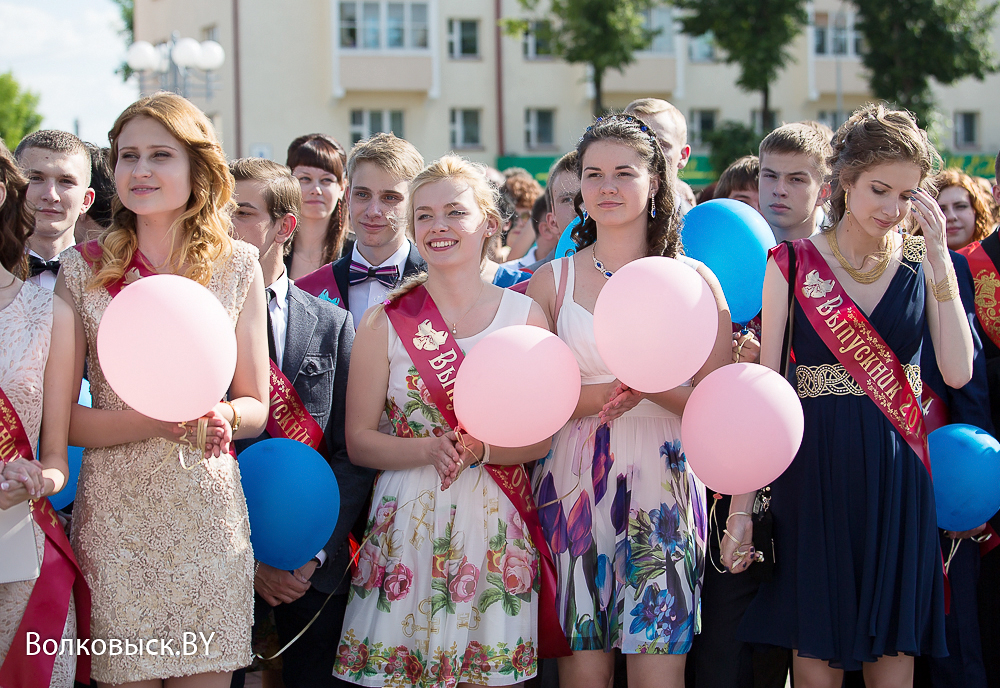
[[652, 208], [585, 216], [847, 202]]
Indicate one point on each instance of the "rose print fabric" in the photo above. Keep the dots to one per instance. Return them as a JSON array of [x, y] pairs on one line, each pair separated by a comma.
[[447, 583], [624, 517]]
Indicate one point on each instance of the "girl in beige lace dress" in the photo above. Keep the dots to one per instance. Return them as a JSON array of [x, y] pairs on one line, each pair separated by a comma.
[[166, 551]]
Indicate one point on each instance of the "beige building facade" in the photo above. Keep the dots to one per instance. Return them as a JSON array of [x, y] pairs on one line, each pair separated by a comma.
[[441, 74]]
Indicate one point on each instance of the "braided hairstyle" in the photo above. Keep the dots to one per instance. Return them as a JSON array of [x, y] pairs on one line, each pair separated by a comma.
[[663, 231], [872, 136]]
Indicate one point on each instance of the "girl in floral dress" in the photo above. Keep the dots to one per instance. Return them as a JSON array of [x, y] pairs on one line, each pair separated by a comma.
[[624, 517], [446, 586]]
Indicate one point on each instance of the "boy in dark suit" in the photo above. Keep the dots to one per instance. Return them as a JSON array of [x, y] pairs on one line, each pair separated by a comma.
[[309, 341]]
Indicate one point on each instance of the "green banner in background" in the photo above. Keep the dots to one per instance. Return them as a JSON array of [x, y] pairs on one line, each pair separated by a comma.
[[698, 171], [975, 165], [537, 165]]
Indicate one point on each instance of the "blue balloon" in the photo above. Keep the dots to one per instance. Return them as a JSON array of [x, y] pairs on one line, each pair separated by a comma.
[[732, 239], [566, 246], [65, 496], [965, 461], [293, 501]]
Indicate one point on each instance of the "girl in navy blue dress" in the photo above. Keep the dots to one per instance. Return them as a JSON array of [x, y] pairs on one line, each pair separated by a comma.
[[858, 578]]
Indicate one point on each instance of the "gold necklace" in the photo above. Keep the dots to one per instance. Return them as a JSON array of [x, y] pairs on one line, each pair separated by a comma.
[[454, 325], [857, 275]]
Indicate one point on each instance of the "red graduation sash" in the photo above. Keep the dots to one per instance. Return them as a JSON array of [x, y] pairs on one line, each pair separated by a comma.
[[987, 289], [321, 284], [60, 574], [287, 416], [137, 268], [855, 343], [437, 357], [936, 414]]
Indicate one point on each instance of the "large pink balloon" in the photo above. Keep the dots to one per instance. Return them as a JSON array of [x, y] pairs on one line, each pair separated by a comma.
[[517, 386], [167, 347], [655, 323], [741, 428]]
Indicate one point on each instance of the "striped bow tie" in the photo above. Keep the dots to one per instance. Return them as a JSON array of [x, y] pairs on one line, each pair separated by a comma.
[[387, 275]]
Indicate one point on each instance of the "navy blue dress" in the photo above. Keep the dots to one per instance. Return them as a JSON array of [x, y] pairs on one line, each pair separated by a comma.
[[858, 562]]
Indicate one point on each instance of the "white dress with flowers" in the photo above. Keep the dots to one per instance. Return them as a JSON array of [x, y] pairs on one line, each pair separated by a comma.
[[446, 586]]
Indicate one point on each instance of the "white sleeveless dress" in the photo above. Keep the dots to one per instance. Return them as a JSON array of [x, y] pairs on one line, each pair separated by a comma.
[[624, 516], [26, 331], [446, 587]]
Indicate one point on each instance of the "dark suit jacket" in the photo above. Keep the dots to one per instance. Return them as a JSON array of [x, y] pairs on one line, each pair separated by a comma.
[[318, 344], [341, 269]]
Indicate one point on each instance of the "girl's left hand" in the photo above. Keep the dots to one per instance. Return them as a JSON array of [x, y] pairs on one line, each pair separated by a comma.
[[470, 451], [623, 399], [218, 434], [933, 223]]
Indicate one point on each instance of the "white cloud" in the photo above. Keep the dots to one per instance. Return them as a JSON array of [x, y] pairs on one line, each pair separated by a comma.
[[67, 51]]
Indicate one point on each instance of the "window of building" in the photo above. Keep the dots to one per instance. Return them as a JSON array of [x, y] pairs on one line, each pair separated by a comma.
[[700, 123], [660, 19], [366, 123], [702, 48], [835, 35], [210, 33], [821, 33], [384, 25], [839, 37], [966, 129], [758, 125], [538, 40], [463, 38], [539, 128], [465, 129], [831, 118]]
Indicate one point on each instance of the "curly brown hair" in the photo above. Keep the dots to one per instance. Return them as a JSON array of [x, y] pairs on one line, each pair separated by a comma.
[[980, 204], [872, 136], [16, 219], [663, 237]]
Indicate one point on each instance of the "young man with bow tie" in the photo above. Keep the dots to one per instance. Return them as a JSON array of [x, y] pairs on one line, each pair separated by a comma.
[[379, 171]]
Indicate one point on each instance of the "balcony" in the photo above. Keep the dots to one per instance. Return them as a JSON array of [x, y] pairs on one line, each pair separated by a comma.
[[386, 72]]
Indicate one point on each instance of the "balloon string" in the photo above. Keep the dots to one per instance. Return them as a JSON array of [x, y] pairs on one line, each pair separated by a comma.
[[579, 476], [201, 439], [714, 519], [951, 555]]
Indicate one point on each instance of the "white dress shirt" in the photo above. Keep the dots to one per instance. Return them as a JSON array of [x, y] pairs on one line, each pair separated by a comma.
[[524, 261], [278, 308], [365, 295], [45, 280]]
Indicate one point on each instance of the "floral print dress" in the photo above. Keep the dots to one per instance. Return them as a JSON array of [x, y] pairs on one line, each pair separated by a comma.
[[447, 583], [624, 517]]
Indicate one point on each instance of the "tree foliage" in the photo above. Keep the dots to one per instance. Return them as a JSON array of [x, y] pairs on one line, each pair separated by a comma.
[[127, 9], [604, 34], [755, 34], [908, 42], [18, 111], [729, 142]]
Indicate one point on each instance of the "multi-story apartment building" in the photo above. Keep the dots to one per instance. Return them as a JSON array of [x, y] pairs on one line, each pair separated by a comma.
[[443, 75]]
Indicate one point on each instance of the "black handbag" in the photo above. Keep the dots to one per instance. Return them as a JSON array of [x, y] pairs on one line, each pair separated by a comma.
[[761, 516]]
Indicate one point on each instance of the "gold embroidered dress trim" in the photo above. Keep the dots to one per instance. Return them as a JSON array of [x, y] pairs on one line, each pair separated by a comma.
[[816, 381]]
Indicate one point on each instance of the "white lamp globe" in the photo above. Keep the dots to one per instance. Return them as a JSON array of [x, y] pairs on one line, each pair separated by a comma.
[[142, 56], [212, 56], [186, 52]]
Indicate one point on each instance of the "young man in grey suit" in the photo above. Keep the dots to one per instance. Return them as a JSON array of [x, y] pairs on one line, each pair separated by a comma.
[[310, 342]]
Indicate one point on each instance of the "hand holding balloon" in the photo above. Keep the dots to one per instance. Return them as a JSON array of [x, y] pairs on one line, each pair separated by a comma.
[[746, 348], [218, 433], [444, 456], [623, 399]]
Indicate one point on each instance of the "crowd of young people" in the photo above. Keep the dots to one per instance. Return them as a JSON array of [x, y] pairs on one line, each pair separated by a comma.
[[356, 281]]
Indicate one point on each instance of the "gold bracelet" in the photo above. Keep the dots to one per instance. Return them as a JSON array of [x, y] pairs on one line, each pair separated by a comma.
[[236, 416], [946, 289]]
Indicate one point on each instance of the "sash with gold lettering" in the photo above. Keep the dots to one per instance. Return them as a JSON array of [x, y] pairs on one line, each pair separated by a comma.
[[437, 357], [287, 416], [987, 289], [322, 284], [60, 574], [139, 267], [856, 344]]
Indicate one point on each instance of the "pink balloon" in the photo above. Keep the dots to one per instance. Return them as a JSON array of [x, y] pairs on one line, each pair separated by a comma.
[[655, 323], [517, 386], [167, 348], [741, 428]]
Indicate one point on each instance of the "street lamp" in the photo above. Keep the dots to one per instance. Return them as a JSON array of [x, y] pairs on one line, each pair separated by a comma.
[[181, 65]]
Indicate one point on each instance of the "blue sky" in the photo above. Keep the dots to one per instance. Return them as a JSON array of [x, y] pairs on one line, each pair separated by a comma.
[[67, 51]]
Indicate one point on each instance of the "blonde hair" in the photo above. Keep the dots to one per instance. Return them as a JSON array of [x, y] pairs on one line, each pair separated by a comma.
[[650, 107], [204, 227], [444, 169], [801, 137], [396, 156]]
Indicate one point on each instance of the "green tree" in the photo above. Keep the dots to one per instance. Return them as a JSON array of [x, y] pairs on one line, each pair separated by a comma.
[[604, 34], [127, 9], [755, 34], [729, 142], [908, 42], [18, 111]]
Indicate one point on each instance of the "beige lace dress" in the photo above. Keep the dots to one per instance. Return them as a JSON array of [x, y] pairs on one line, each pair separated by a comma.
[[166, 551], [26, 332]]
